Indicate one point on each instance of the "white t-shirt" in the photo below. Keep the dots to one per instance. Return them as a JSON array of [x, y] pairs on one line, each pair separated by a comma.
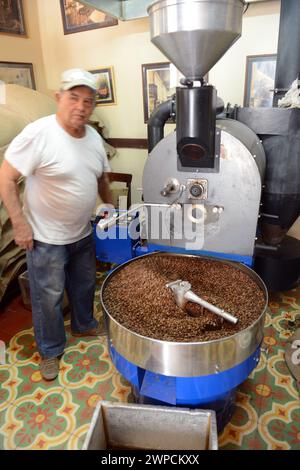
[[61, 179]]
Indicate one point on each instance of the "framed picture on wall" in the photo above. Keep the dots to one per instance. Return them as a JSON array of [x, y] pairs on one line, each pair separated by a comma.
[[259, 80], [78, 17], [12, 17], [106, 86], [156, 86], [17, 73]]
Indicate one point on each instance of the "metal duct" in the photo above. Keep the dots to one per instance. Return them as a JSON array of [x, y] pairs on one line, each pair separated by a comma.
[[121, 9], [130, 9]]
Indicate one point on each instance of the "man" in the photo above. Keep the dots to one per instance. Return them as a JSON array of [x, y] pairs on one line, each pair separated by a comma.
[[65, 164]]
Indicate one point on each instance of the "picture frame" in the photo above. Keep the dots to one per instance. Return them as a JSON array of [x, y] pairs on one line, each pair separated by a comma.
[[259, 80], [106, 86], [12, 17], [157, 88], [77, 17], [17, 73]]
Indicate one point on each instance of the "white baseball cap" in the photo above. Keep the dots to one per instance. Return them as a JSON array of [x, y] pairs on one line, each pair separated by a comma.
[[77, 77]]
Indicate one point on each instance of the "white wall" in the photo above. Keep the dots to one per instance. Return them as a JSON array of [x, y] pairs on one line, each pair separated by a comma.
[[259, 36], [27, 48], [128, 45], [125, 47]]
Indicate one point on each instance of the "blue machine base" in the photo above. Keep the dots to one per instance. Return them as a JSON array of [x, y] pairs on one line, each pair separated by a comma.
[[116, 245], [215, 391], [224, 409]]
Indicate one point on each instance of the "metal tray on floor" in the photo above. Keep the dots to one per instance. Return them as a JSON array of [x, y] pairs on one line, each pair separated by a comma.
[[128, 426]]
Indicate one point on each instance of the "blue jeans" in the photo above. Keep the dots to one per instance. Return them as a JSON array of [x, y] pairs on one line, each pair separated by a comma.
[[51, 270]]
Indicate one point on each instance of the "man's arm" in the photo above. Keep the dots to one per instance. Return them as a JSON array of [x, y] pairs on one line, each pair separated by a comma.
[[103, 189], [9, 193]]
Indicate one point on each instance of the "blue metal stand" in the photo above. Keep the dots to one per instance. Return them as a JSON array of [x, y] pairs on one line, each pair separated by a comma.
[[215, 391]]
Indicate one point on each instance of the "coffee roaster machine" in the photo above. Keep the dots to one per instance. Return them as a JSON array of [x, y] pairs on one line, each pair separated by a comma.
[[238, 167], [236, 171]]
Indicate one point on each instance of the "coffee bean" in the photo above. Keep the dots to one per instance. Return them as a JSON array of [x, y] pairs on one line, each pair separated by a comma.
[[137, 297]]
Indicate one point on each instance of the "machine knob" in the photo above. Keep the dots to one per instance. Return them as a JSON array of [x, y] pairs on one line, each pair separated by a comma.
[[171, 186], [197, 190]]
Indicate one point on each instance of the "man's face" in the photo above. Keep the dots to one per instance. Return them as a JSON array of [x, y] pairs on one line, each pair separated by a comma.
[[75, 106]]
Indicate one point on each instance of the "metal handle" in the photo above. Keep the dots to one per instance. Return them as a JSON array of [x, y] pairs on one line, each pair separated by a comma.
[[197, 300], [109, 222]]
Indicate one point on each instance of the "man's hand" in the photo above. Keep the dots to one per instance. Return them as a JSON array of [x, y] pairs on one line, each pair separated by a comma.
[[9, 192], [104, 190], [23, 234]]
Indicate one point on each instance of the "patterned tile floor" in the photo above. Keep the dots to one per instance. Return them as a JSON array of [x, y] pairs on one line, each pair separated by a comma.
[[268, 405], [35, 414]]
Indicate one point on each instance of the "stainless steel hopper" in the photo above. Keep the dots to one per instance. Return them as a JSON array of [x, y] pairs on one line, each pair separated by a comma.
[[194, 34]]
